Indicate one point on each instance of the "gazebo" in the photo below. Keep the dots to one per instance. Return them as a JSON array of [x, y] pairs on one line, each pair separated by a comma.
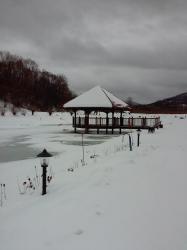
[[98, 100]]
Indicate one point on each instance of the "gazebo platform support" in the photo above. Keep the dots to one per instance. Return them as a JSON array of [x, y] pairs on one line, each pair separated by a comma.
[[86, 122], [112, 122], [121, 121], [75, 121], [106, 122]]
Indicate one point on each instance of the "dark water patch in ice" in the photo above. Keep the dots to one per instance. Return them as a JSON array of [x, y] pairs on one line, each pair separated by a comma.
[[100, 137], [18, 149], [51, 125], [75, 139], [79, 143]]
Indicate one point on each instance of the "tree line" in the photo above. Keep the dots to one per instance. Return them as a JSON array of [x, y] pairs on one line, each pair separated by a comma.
[[23, 84]]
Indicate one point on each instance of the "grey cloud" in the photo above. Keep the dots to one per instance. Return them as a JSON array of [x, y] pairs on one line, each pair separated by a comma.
[[134, 46], [168, 55]]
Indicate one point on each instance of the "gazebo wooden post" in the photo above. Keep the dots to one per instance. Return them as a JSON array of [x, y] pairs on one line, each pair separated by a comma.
[[98, 124], [87, 121], [112, 121], [96, 119], [106, 122], [75, 122], [121, 121]]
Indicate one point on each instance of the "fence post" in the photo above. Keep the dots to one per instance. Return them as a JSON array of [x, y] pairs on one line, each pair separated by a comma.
[[138, 137], [130, 142], [83, 162]]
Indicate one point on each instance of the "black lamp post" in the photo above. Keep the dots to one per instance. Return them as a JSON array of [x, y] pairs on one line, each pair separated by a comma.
[[138, 137], [44, 164], [83, 161]]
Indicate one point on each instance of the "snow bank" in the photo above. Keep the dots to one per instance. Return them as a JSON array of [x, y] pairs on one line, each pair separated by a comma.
[[119, 200]]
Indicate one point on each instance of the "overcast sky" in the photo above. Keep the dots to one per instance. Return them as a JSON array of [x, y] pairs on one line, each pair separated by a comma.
[[134, 48]]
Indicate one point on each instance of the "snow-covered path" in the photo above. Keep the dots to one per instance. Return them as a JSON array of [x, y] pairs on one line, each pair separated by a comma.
[[124, 201]]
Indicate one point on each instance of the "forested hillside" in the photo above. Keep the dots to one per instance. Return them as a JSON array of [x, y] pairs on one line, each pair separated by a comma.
[[23, 84], [175, 104]]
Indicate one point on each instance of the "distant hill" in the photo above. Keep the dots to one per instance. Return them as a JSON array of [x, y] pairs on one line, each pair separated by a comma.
[[175, 104], [24, 85], [178, 100]]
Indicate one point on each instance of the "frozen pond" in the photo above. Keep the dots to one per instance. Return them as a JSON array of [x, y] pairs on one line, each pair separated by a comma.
[[20, 148], [76, 139], [17, 149]]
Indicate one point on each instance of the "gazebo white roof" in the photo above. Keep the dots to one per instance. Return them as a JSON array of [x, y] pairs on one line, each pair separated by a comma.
[[96, 97]]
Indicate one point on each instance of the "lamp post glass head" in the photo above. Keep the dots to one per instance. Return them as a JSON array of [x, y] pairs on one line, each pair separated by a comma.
[[44, 161], [138, 131], [44, 155]]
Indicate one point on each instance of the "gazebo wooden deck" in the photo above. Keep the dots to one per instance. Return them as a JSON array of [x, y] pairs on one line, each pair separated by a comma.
[[99, 100], [100, 123]]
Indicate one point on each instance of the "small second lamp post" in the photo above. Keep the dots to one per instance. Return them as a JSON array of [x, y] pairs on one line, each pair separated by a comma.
[[83, 161], [44, 155], [138, 137]]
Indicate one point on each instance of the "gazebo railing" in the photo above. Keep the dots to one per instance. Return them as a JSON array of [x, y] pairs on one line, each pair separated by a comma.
[[100, 122]]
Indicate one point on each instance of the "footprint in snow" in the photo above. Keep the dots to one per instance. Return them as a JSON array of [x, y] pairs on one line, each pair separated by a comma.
[[79, 232], [98, 213], [107, 184], [153, 147]]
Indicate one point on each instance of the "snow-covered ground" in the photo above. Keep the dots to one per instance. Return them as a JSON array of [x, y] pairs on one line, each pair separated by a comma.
[[120, 200]]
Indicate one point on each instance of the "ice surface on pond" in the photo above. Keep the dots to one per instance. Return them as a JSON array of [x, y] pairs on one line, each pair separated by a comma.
[[17, 149], [88, 139], [23, 147]]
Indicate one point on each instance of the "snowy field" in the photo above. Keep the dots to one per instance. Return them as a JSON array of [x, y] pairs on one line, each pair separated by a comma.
[[120, 200]]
